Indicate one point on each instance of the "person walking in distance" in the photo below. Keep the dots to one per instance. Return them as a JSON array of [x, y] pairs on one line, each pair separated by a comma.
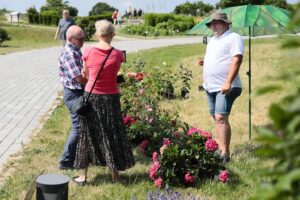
[[222, 61], [115, 17], [63, 25], [70, 68]]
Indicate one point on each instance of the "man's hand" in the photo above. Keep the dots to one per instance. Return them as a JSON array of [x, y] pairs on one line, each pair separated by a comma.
[[225, 89]]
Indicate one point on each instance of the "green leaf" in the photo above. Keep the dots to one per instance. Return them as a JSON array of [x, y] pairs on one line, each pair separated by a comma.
[[268, 89], [285, 182]]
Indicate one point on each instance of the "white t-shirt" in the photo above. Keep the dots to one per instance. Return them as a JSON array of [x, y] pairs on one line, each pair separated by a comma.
[[217, 60]]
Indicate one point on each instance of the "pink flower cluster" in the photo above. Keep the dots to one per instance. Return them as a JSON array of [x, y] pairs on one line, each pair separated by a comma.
[[143, 146], [128, 120], [189, 178], [166, 141], [224, 176], [153, 170], [193, 130], [137, 76], [211, 145]]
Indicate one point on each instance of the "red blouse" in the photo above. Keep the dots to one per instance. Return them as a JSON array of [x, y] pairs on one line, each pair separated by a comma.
[[107, 81]]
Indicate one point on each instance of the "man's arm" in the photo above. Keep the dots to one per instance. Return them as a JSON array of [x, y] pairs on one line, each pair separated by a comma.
[[56, 34], [233, 71]]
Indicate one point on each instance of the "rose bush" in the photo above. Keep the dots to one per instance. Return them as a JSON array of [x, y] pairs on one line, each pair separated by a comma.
[[187, 158], [147, 124]]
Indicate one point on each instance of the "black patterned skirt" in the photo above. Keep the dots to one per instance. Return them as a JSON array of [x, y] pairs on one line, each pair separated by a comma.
[[102, 139]]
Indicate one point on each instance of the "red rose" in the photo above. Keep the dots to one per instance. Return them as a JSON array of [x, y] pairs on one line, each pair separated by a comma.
[[211, 145], [139, 76], [224, 176], [189, 178]]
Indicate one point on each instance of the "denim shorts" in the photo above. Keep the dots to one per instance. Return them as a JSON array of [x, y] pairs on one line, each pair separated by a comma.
[[219, 103]]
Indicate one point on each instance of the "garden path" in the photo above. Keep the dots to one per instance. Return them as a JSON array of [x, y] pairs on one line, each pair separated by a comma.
[[30, 86]]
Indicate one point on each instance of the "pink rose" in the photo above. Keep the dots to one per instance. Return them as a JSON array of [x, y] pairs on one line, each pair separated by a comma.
[[149, 119], [131, 74], [206, 134], [193, 130], [144, 144], [152, 174], [211, 145], [224, 176], [167, 141], [176, 134], [139, 76], [148, 108], [142, 91], [128, 120], [158, 182], [189, 178], [154, 156]]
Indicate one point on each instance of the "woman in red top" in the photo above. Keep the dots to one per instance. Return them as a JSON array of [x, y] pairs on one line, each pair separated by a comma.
[[115, 16], [102, 135]]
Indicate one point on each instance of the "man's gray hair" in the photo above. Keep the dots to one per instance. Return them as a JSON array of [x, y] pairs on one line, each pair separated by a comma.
[[104, 27]]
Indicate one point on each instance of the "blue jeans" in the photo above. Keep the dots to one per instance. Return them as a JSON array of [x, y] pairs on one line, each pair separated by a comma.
[[68, 156], [219, 103]]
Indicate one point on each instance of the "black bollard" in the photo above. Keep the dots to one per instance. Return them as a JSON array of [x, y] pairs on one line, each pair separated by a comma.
[[52, 187]]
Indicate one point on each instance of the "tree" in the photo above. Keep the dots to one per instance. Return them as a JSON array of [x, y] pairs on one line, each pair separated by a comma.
[[228, 3], [194, 9], [59, 6], [101, 8]]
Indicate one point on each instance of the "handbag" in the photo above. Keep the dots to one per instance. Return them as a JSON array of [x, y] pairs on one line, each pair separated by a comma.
[[81, 105]]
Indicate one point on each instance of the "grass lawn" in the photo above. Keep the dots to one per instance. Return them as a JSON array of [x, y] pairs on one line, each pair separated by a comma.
[[268, 61], [24, 37]]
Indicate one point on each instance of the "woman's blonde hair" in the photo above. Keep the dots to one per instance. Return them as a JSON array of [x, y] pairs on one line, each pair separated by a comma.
[[104, 27]]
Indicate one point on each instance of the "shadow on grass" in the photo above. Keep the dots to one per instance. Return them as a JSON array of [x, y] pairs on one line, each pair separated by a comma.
[[126, 179]]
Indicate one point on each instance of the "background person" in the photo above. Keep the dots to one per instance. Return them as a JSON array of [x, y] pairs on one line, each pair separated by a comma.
[[63, 25], [115, 17], [102, 139], [73, 84], [222, 61]]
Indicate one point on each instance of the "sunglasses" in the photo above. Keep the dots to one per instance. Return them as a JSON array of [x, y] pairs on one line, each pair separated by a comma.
[[79, 38]]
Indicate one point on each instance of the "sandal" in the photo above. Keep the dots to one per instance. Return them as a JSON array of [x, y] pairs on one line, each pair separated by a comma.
[[79, 183]]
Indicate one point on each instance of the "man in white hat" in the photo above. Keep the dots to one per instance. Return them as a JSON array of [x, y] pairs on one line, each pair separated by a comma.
[[222, 61]]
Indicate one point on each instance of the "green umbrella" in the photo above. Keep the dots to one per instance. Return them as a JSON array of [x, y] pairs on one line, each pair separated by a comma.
[[250, 20]]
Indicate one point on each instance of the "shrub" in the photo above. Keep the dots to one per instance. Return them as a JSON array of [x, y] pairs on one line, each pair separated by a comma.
[[3, 36], [186, 158], [282, 144], [147, 123]]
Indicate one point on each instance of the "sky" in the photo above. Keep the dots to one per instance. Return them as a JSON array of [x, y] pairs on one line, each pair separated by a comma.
[[84, 6]]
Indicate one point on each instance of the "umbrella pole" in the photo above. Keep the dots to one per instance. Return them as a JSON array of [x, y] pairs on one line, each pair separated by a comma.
[[249, 74]]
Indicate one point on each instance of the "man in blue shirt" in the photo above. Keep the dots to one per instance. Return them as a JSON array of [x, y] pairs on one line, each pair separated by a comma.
[[73, 87], [63, 25]]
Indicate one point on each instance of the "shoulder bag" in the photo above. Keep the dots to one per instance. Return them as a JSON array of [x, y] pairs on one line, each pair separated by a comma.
[[81, 105]]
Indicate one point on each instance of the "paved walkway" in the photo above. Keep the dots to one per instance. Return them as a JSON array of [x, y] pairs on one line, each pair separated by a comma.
[[29, 86]]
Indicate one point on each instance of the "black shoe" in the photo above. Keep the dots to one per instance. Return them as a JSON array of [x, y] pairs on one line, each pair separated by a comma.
[[226, 158], [79, 183]]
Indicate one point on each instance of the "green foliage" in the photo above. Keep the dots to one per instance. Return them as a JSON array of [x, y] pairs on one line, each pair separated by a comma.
[[33, 15], [3, 36], [161, 25], [101, 8], [88, 24], [195, 9], [228, 3], [49, 17], [282, 143]]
